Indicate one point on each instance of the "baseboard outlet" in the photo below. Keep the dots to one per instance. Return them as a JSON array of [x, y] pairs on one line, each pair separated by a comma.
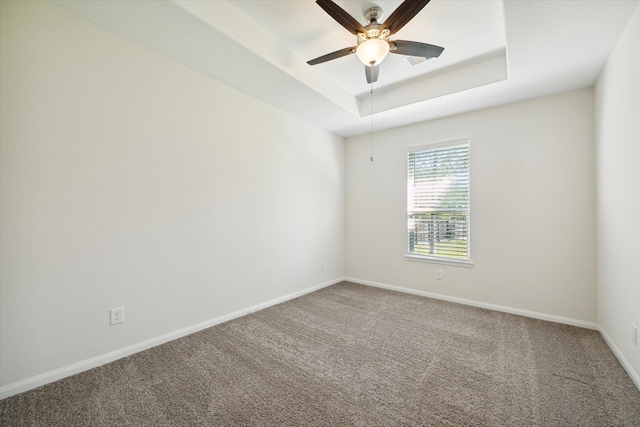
[[94, 362], [495, 307], [625, 364]]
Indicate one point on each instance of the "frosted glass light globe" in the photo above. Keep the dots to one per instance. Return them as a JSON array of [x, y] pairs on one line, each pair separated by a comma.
[[372, 51]]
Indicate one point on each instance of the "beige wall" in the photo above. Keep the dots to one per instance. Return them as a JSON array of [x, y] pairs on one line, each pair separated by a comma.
[[129, 180], [532, 207], [618, 194]]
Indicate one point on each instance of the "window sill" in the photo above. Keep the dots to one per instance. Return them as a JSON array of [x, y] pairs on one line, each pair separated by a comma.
[[422, 258]]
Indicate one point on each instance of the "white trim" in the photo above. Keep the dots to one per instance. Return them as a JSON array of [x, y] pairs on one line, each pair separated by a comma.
[[495, 307], [422, 258], [94, 362], [625, 364], [438, 144]]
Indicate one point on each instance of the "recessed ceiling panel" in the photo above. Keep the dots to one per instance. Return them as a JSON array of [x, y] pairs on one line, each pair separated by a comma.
[[467, 29]]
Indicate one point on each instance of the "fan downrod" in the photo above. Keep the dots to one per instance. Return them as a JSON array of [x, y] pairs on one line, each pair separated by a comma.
[[373, 14]]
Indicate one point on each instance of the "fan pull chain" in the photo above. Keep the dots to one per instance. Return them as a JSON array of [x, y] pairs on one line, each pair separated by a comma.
[[371, 133]]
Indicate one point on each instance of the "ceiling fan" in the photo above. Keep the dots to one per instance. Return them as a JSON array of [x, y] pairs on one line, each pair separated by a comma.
[[373, 39]]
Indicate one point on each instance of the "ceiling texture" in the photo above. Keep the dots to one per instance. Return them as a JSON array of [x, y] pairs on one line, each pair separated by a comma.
[[496, 52]]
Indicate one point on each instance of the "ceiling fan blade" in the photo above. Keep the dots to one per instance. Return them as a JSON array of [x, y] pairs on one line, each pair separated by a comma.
[[404, 47], [342, 17], [333, 55], [372, 73], [403, 14]]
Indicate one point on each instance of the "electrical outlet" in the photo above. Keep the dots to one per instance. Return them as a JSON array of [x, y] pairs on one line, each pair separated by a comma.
[[323, 266], [117, 315], [439, 274], [634, 334]]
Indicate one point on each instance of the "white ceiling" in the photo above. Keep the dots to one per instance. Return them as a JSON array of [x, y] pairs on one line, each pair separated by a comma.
[[496, 52], [475, 29]]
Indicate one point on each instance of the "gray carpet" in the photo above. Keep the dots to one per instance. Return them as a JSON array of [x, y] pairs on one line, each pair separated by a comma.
[[352, 355]]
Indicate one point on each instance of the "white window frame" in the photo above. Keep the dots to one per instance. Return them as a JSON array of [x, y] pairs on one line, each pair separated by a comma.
[[434, 259]]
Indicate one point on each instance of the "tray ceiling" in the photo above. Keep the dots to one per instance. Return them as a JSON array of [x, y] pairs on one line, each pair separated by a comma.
[[496, 52]]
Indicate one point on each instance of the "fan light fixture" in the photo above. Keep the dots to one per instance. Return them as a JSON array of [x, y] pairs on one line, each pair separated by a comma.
[[372, 52], [373, 38]]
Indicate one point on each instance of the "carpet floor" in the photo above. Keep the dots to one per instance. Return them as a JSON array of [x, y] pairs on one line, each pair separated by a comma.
[[351, 355]]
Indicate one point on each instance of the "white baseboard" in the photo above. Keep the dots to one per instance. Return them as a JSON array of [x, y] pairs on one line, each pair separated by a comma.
[[94, 362], [625, 364], [495, 307]]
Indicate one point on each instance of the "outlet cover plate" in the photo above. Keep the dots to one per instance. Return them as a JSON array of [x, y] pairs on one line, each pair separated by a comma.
[[117, 315]]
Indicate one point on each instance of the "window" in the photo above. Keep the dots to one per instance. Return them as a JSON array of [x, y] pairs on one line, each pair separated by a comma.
[[438, 203]]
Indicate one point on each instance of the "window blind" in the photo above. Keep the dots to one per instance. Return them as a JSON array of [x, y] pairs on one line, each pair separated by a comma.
[[438, 202]]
